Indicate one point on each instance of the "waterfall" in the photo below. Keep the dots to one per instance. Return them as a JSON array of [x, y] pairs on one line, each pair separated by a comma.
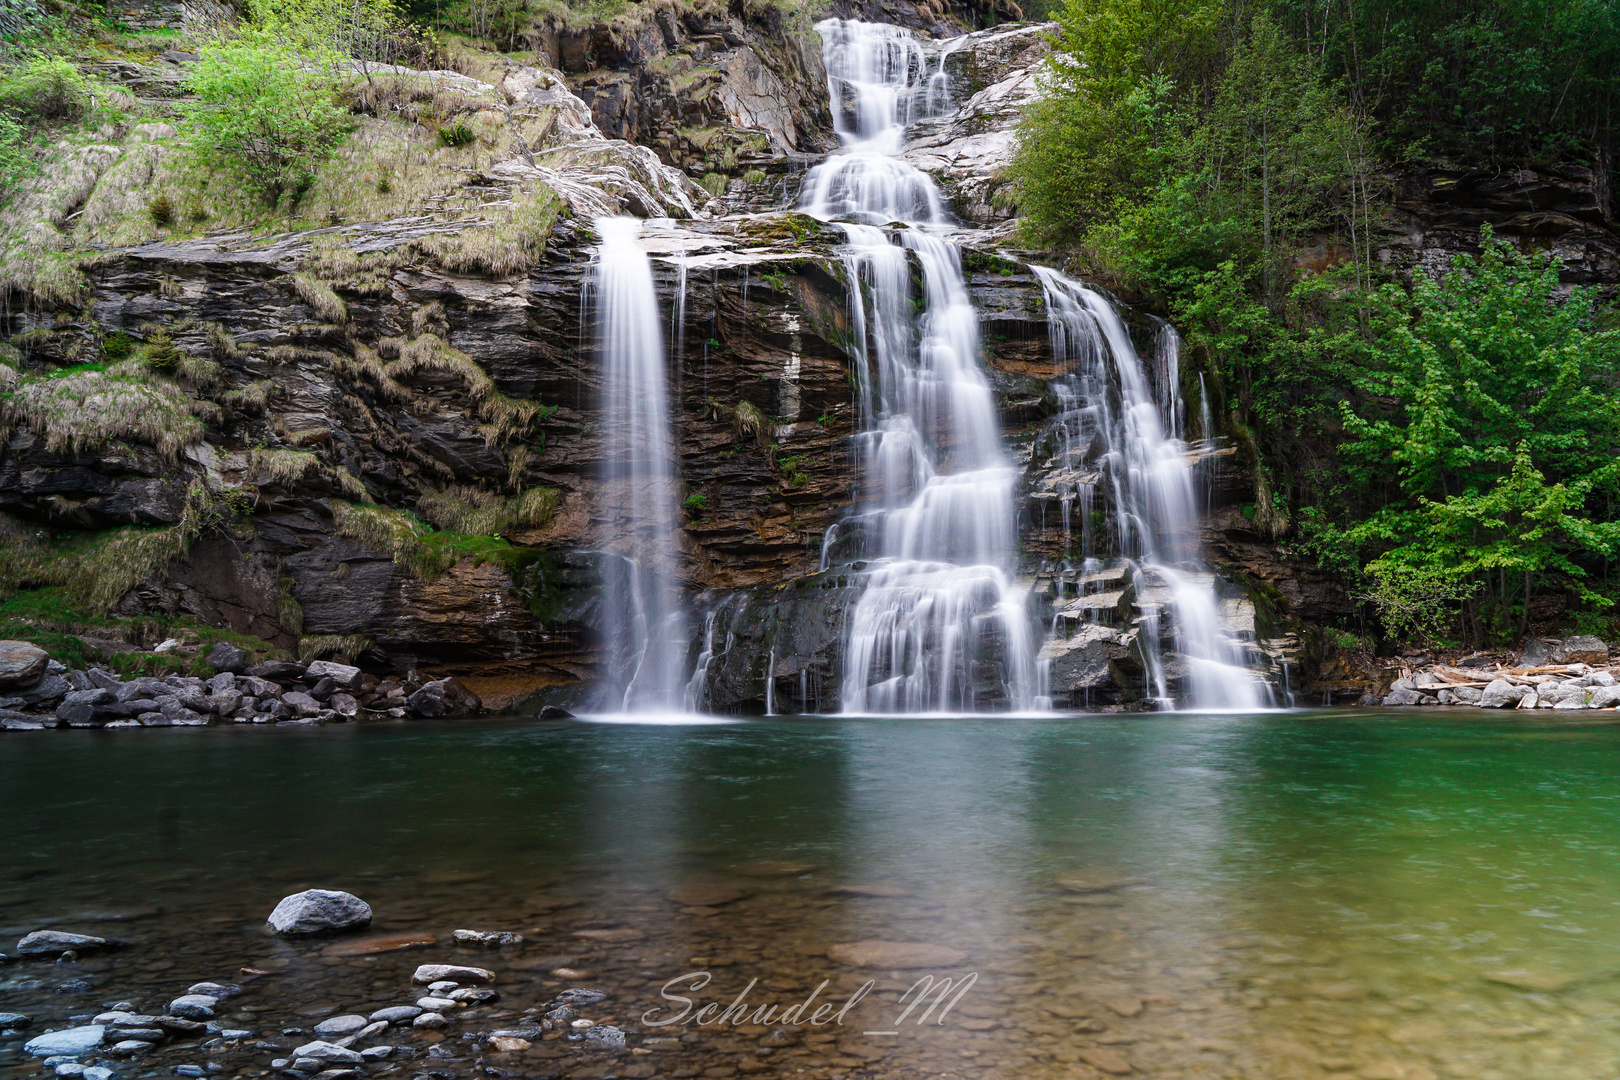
[[1143, 465], [639, 478], [939, 625]]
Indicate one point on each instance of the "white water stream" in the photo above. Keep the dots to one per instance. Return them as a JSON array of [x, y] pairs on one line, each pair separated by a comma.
[[940, 625], [1143, 461], [639, 476]]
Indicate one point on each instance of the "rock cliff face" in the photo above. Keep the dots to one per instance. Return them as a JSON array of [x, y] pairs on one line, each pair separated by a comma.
[[362, 379]]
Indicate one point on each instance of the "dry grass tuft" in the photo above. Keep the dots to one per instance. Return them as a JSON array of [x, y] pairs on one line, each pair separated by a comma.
[[283, 468], [321, 646], [749, 420], [504, 417], [504, 248], [476, 512], [253, 397], [83, 409], [326, 304], [101, 573]]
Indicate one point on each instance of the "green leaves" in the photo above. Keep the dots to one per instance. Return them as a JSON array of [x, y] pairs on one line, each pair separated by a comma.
[[265, 111], [1491, 424]]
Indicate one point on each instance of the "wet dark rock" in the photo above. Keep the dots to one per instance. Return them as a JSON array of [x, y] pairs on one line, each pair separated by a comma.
[[555, 712], [301, 703], [279, 671], [14, 1020], [86, 708], [345, 676], [323, 690], [318, 911], [227, 658], [604, 1037], [580, 997], [76, 986]]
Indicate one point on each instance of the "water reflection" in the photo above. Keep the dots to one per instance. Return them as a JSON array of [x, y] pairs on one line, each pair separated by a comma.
[[1268, 896]]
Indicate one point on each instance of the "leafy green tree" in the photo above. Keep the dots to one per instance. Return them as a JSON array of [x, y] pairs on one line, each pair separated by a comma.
[[1489, 434], [265, 110], [1107, 127]]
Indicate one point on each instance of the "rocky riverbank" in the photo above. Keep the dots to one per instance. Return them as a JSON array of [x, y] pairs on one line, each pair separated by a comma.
[[37, 692], [1558, 673]]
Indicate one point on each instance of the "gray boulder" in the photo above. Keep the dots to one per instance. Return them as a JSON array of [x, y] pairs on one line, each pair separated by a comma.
[[226, 657], [1582, 649], [84, 708], [1501, 694], [1468, 695], [21, 663], [1604, 697], [301, 703], [50, 689], [1405, 697], [104, 679], [345, 676], [319, 911]]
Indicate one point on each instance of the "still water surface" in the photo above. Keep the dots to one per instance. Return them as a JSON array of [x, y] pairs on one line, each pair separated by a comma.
[[1384, 896]]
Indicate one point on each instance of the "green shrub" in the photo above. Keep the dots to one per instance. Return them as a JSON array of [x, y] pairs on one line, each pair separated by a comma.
[[457, 134], [162, 210], [696, 504], [44, 90], [265, 111]]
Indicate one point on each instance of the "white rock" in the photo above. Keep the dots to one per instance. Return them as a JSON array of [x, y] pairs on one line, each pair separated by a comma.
[[338, 1026], [70, 1041], [316, 911]]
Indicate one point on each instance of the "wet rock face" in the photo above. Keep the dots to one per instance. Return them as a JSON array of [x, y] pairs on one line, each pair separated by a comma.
[[1567, 210], [699, 83]]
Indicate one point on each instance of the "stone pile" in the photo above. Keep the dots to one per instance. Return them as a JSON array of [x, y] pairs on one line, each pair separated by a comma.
[[1567, 674], [38, 692]]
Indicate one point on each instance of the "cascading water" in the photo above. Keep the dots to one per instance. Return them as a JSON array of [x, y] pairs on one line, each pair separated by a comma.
[[1143, 463], [939, 625], [638, 473]]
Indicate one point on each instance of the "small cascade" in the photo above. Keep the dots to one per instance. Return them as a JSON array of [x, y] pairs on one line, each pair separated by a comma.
[[639, 478], [940, 625], [1142, 464]]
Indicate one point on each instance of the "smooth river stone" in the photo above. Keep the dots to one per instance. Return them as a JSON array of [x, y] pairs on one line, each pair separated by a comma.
[[1095, 883], [69, 1041], [370, 946], [339, 1026], [895, 955], [21, 664], [879, 891], [769, 868], [706, 895], [1109, 1061], [432, 973], [52, 942], [1543, 981], [610, 937], [397, 1014]]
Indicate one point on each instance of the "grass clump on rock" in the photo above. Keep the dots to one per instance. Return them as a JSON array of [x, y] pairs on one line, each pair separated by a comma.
[[476, 512], [416, 547], [81, 409]]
